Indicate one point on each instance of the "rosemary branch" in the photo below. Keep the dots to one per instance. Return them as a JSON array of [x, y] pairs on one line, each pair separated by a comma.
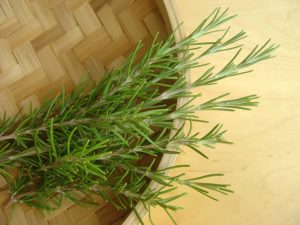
[[108, 140]]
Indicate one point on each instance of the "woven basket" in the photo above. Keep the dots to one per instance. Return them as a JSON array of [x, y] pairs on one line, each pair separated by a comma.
[[47, 43]]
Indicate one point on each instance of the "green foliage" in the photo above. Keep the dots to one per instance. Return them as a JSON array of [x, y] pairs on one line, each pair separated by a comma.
[[94, 142]]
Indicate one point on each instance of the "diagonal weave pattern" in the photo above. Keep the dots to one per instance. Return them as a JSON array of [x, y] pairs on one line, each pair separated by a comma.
[[47, 43]]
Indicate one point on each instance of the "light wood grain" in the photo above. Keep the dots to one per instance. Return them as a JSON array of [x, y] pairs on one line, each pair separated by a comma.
[[263, 165]]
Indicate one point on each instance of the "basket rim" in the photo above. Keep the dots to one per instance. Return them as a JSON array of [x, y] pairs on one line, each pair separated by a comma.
[[173, 19]]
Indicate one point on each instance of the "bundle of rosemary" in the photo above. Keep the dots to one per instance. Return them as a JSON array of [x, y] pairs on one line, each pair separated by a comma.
[[96, 141]]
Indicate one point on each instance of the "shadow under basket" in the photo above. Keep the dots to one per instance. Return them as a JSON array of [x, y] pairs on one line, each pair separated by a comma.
[[45, 44]]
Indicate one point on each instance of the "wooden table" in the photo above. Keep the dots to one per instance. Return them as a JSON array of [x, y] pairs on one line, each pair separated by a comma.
[[263, 165]]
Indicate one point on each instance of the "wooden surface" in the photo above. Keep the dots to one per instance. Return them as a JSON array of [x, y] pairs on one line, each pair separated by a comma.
[[263, 165]]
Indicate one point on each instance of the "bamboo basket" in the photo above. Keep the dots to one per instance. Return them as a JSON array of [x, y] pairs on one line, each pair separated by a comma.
[[47, 43]]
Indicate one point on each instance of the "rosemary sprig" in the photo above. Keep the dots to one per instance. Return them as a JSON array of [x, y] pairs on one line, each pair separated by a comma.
[[96, 141]]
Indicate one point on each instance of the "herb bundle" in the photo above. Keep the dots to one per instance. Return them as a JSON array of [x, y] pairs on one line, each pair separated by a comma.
[[97, 141]]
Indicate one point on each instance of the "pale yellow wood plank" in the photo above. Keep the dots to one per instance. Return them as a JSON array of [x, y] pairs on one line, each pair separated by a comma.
[[16, 215], [6, 8], [155, 25], [7, 59], [7, 104], [2, 16], [95, 68], [97, 4], [28, 85], [91, 220], [61, 219], [35, 217], [27, 58], [120, 5], [64, 17], [22, 11], [2, 218], [25, 34], [75, 69], [10, 76], [75, 4], [132, 25], [43, 14], [116, 48], [47, 37], [92, 43], [87, 19], [3, 215], [53, 3], [110, 21], [68, 41], [9, 26], [143, 7], [51, 64]]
